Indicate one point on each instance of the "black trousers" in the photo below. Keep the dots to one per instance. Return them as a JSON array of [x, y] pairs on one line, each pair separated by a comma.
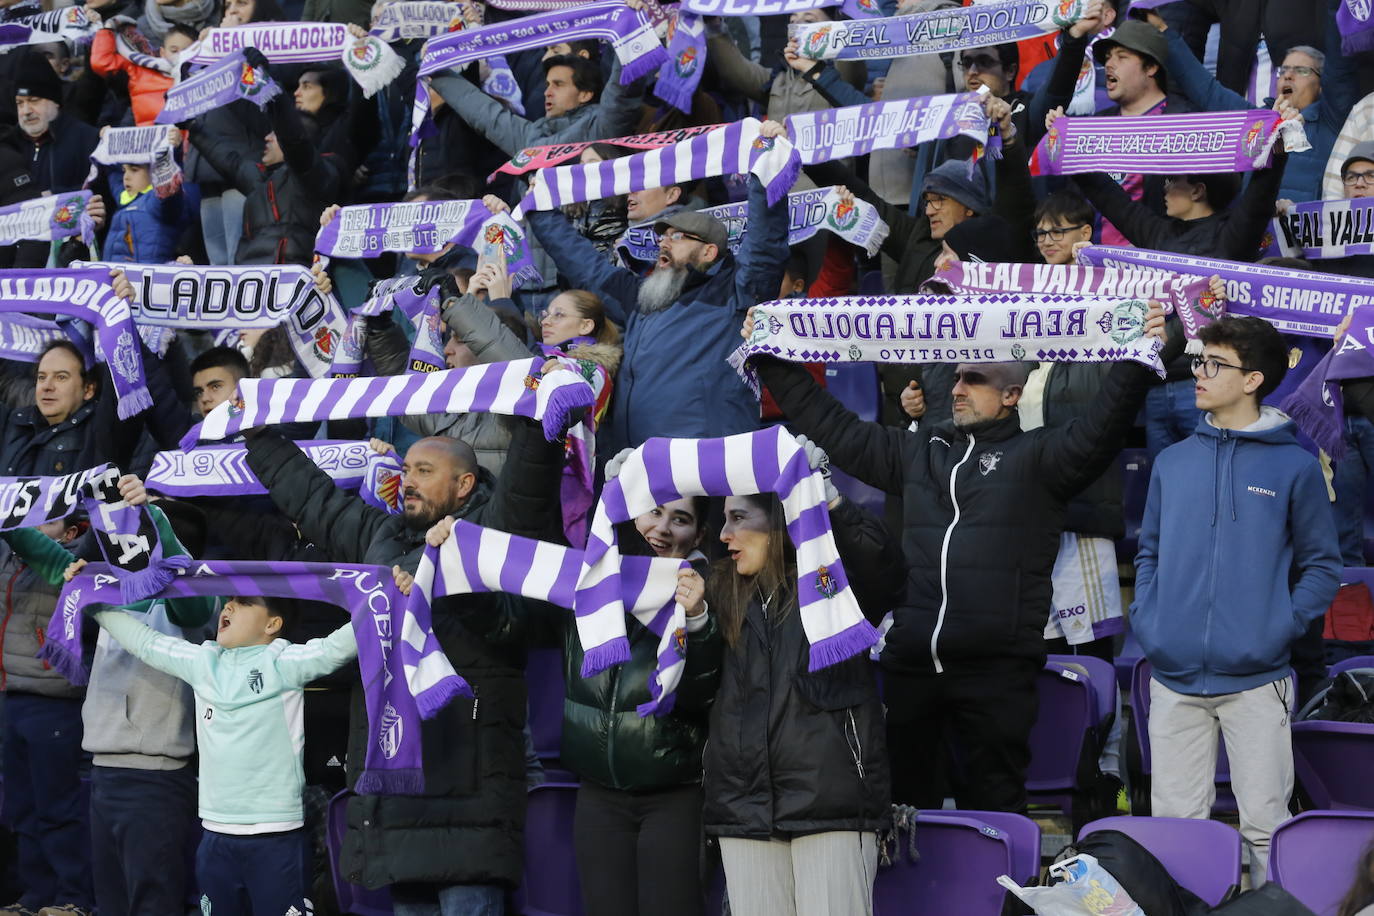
[[1284, 23], [965, 731], [639, 853]]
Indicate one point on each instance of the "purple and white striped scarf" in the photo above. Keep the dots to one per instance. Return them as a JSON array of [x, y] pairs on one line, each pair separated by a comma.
[[222, 470], [952, 29], [734, 149], [539, 157], [78, 294], [227, 80], [1322, 229], [69, 25], [986, 328], [854, 9], [46, 219], [370, 61], [767, 461], [514, 388], [477, 559], [200, 297], [394, 763], [1177, 144], [146, 146], [409, 19], [1294, 301], [1355, 19], [1316, 405], [837, 133], [808, 213]]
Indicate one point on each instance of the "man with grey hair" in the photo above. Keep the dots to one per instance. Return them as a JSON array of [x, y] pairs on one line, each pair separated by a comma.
[[982, 506]]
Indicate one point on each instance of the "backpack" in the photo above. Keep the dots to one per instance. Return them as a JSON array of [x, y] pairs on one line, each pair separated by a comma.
[[1348, 697]]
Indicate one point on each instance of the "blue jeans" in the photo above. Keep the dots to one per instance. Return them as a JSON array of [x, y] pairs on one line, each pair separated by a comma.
[[44, 804], [459, 900], [1171, 414], [221, 221], [1351, 482]]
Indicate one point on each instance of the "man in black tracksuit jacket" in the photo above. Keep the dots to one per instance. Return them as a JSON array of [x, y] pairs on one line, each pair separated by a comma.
[[983, 507]]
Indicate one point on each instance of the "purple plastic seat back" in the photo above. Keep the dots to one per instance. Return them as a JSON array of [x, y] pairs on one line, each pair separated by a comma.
[[1203, 856], [1352, 574], [1135, 486], [1068, 709], [1333, 760], [961, 855], [352, 898], [1313, 856], [551, 886], [544, 679], [1346, 664], [855, 385]]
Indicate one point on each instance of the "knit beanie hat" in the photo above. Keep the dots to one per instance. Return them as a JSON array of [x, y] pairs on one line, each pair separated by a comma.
[[951, 179], [36, 78]]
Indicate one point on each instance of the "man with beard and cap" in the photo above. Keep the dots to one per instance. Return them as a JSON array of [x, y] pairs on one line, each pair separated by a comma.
[[460, 844], [57, 146], [982, 506], [680, 320]]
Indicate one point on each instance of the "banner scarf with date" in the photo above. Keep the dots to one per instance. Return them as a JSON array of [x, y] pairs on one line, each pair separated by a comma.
[[767, 461], [79, 294], [808, 213], [227, 80], [1294, 301], [201, 297], [222, 470], [515, 388], [146, 146], [1355, 20], [734, 149], [370, 61], [977, 26], [540, 157], [395, 702], [1190, 298], [837, 133], [1316, 405], [1200, 142], [987, 328], [68, 24], [477, 559], [46, 219], [1322, 229]]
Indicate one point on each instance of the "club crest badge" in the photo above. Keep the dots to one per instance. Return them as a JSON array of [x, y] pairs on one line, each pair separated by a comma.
[[250, 82], [1128, 321], [686, 62], [324, 342], [68, 212], [1360, 9], [826, 586], [988, 461], [532, 382], [843, 216], [1066, 12], [1254, 139], [680, 642], [817, 42]]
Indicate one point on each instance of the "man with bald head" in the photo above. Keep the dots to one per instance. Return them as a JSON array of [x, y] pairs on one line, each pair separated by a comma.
[[460, 845], [982, 506]]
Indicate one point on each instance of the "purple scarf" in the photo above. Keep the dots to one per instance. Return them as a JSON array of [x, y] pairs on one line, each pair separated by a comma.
[[80, 294], [1321, 229], [540, 157], [837, 133], [46, 219], [1316, 405], [1355, 19], [222, 470], [223, 82], [976, 26], [1177, 144], [394, 763]]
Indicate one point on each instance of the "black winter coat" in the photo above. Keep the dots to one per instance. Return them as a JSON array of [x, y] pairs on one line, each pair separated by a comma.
[[982, 511], [792, 751], [60, 161], [17, 186], [1071, 391], [468, 827]]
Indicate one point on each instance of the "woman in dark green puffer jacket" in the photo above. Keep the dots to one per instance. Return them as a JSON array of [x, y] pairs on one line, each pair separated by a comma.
[[637, 827]]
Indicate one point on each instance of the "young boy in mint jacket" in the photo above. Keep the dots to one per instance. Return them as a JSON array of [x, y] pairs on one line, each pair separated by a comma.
[[1238, 554], [254, 857]]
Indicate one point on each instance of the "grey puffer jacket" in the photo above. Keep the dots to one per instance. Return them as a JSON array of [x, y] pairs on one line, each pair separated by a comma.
[[29, 603]]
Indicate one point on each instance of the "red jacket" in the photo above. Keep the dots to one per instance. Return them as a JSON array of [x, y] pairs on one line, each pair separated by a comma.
[[147, 88]]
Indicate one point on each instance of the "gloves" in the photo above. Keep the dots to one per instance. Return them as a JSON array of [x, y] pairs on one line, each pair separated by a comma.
[[819, 461], [256, 59], [615, 464]]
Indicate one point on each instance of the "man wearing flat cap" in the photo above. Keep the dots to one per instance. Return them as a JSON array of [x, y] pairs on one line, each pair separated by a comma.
[[682, 319], [57, 146]]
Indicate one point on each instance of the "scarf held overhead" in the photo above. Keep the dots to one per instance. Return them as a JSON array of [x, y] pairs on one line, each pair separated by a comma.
[[409, 19], [734, 149], [977, 26], [223, 82], [394, 764], [46, 219], [66, 25], [1355, 20], [514, 388], [222, 470], [988, 328], [1316, 405], [146, 146], [1171, 144], [540, 157], [1322, 229], [837, 133], [370, 61], [767, 461]]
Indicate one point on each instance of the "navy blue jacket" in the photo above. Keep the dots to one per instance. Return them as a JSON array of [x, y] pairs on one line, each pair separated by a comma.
[[1238, 554]]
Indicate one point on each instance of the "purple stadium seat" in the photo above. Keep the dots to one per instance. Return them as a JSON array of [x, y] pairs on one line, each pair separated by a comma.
[[544, 679], [1313, 855], [1138, 759], [352, 898], [1135, 485], [1077, 695], [961, 855], [551, 886], [855, 385], [1345, 664], [1333, 760], [1203, 856]]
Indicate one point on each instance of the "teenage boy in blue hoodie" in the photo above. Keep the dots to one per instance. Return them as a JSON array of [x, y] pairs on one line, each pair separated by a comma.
[[1238, 554]]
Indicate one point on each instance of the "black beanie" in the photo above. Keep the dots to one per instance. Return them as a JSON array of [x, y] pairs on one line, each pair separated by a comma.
[[36, 78]]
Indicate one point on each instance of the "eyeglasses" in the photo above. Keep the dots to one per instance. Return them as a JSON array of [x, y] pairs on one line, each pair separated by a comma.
[[931, 199], [545, 315], [1299, 71], [1354, 178], [983, 62], [1209, 366], [677, 235], [1054, 235]]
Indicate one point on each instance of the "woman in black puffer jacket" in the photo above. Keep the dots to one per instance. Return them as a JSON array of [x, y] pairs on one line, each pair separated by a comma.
[[796, 780]]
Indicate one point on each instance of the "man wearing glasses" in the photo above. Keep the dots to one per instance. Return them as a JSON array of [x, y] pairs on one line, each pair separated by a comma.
[[1215, 623]]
